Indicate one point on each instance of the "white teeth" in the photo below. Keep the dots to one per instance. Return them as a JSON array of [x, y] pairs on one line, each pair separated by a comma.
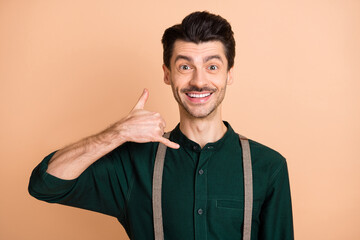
[[193, 95]]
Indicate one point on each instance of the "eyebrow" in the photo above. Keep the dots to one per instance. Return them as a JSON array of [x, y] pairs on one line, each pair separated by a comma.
[[208, 58], [213, 57], [178, 57]]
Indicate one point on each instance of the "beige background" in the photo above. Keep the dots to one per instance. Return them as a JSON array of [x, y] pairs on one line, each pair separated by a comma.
[[68, 69]]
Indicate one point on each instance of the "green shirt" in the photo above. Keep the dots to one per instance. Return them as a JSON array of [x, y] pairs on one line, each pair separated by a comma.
[[202, 195]]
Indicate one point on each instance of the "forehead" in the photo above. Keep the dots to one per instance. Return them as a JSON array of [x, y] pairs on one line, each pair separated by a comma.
[[198, 51]]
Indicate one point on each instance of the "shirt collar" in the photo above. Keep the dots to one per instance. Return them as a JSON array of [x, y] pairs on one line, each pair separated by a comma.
[[178, 137]]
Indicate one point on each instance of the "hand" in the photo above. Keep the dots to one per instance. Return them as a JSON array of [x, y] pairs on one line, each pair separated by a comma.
[[143, 126]]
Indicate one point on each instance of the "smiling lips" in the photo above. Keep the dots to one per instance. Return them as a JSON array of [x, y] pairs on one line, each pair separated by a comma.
[[201, 95], [198, 97]]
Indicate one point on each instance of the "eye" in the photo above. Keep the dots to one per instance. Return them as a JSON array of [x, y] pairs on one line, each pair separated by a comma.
[[184, 67], [213, 67]]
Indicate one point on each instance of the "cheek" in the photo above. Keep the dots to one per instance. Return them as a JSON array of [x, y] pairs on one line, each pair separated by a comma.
[[180, 79], [181, 73], [217, 79]]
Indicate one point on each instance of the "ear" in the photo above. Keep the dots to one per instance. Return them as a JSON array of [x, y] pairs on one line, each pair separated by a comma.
[[166, 74], [230, 76]]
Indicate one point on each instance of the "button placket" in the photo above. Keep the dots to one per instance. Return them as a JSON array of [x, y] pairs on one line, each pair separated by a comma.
[[196, 148], [200, 215]]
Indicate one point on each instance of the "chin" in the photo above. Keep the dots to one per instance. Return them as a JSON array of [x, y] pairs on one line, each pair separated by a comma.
[[199, 114]]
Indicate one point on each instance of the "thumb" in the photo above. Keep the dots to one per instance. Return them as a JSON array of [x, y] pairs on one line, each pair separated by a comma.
[[142, 100]]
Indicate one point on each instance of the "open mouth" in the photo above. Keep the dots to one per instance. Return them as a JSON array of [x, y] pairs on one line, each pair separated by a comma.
[[198, 95]]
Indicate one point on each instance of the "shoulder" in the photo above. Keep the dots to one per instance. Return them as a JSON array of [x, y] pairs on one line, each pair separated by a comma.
[[131, 151], [266, 159], [262, 151], [124, 155], [135, 148]]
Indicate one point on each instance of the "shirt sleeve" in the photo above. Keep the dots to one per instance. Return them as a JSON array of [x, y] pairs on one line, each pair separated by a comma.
[[102, 187], [276, 212]]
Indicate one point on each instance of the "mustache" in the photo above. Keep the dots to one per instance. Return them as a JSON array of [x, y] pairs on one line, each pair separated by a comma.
[[196, 89]]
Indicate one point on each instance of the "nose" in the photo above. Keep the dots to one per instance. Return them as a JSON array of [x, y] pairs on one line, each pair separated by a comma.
[[198, 79]]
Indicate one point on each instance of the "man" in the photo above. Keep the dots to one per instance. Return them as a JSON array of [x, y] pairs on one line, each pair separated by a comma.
[[202, 195]]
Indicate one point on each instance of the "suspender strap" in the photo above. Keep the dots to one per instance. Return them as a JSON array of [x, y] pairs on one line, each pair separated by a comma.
[[157, 184], [248, 187], [156, 190]]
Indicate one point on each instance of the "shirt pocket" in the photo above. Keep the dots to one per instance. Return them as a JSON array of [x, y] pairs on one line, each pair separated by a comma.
[[226, 217], [230, 204], [234, 204]]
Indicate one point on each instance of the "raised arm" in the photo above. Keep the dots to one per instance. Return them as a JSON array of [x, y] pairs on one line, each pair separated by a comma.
[[139, 126]]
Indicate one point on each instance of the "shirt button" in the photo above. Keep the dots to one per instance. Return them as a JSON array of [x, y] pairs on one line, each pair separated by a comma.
[[195, 148], [200, 211], [201, 172], [210, 147]]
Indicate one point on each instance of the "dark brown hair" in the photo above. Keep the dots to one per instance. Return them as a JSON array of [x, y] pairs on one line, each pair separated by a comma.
[[200, 27]]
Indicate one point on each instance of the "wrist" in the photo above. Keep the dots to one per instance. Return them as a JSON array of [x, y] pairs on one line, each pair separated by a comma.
[[113, 136]]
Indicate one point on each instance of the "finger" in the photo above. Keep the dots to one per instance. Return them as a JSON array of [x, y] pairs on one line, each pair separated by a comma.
[[142, 100], [169, 143]]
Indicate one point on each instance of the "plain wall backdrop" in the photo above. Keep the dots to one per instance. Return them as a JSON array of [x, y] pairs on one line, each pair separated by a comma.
[[69, 69]]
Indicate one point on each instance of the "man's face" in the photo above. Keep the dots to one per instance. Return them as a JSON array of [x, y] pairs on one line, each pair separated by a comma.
[[198, 77]]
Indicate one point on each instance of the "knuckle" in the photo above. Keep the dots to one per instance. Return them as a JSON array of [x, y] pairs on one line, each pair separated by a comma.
[[160, 132], [156, 132], [156, 115]]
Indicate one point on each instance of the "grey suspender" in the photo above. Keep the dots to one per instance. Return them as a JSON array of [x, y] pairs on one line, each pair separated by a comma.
[[157, 184], [156, 190], [248, 187]]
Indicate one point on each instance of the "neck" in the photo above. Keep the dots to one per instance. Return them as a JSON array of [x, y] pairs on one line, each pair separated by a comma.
[[203, 130]]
